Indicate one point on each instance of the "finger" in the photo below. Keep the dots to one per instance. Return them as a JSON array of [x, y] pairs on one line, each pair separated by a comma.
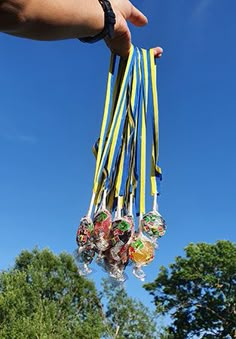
[[120, 45], [121, 42], [137, 18], [158, 51]]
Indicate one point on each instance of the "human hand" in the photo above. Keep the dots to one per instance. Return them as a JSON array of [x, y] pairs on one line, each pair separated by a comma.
[[121, 42]]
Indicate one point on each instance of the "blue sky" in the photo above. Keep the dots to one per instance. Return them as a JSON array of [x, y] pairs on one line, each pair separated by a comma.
[[51, 107]]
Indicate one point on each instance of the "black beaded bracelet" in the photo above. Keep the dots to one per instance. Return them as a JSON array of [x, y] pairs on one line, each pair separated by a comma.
[[109, 23]]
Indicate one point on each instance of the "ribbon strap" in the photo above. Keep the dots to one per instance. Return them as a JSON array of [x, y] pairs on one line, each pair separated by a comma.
[[156, 173]]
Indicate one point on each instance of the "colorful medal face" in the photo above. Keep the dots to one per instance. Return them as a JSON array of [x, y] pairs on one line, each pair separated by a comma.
[[141, 250], [153, 225], [85, 231], [121, 230], [124, 249], [116, 257], [102, 226]]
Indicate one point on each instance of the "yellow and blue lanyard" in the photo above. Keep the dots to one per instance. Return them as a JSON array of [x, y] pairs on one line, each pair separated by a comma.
[[120, 160], [140, 156], [156, 173], [123, 182], [121, 150], [111, 145]]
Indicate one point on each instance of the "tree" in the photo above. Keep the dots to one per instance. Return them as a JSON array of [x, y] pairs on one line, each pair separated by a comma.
[[44, 297], [198, 292], [127, 317]]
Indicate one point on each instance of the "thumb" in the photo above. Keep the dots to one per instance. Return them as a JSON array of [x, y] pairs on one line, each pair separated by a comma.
[[136, 17]]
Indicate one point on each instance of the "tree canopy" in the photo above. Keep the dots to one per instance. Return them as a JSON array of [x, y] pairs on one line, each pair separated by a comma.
[[198, 292], [43, 296], [127, 317]]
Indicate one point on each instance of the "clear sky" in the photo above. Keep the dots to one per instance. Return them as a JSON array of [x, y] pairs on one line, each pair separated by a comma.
[[51, 106]]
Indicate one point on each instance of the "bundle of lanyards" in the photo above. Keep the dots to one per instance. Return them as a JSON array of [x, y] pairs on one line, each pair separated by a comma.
[[108, 233]]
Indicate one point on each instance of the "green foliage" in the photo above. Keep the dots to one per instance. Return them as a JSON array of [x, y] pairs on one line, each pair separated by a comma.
[[199, 292], [127, 317], [44, 297]]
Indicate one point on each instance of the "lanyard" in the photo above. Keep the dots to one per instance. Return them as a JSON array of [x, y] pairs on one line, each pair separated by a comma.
[[156, 173], [106, 114], [100, 189], [140, 158], [125, 168], [156, 170], [111, 140], [121, 149]]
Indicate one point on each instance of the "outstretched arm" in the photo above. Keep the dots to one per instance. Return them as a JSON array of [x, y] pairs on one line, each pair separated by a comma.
[[66, 19]]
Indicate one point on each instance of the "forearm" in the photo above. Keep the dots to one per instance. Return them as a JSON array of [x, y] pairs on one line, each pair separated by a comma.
[[51, 19], [65, 19]]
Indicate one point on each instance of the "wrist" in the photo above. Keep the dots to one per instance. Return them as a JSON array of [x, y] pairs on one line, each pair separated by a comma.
[[95, 22], [109, 23]]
